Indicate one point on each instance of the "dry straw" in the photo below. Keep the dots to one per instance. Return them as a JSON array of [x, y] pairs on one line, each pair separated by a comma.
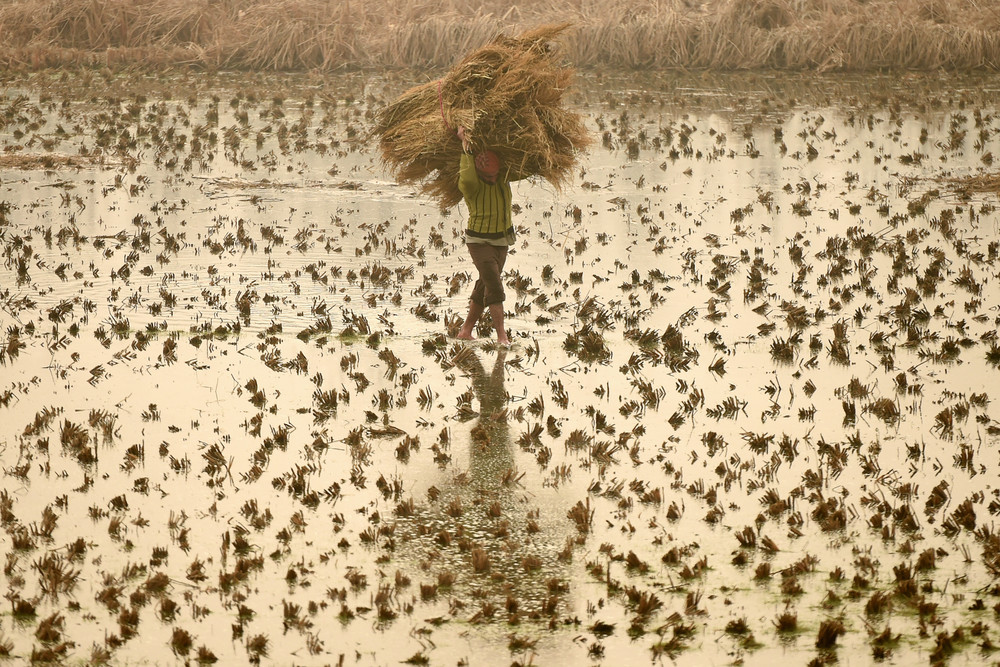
[[328, 35], [508, 95], [975, 183]]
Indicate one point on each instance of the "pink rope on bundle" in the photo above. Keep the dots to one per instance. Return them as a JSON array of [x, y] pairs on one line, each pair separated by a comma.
[[441, 102]]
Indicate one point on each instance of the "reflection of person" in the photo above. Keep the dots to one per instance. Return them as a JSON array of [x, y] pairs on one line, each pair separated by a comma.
[[490, 451], [489, 389], [488, 234]]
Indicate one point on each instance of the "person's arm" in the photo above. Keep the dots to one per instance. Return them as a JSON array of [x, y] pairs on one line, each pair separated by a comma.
[[468, 181]]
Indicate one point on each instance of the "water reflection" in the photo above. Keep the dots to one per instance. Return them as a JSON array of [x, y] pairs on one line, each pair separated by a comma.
[[479, 538], [490, 454]]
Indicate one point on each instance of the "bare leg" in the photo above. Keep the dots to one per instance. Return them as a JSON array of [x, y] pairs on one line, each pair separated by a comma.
[[496, 314], [475, 312]]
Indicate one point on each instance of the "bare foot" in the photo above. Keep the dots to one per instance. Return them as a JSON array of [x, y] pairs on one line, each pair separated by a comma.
[[504, 342], [464, 335]]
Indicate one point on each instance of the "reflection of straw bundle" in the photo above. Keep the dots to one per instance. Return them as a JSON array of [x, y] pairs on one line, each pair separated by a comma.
[[508, 95]]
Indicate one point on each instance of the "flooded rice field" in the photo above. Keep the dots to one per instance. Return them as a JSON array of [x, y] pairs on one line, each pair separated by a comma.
[[748, 416]]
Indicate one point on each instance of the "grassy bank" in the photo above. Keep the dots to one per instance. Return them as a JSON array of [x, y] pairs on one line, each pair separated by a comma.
[[840, 35]]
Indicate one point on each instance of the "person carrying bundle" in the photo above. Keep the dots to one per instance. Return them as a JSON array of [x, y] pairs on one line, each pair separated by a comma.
[[488, 234], [510, 93]]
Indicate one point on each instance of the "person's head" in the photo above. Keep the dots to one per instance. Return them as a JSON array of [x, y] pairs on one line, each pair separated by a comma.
[[488, 166]]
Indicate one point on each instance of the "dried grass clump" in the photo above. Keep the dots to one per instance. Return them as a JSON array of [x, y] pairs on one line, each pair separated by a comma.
[[113, 23], [333, 34], [975, 183], [765, 14], [48, 161], [288, 34], [829, 630], [508, 95]]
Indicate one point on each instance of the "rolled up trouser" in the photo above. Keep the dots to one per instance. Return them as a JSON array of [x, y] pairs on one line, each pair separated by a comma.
[[489, 261]]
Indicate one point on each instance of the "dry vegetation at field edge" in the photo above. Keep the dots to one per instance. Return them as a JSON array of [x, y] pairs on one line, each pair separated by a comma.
[[336, 34]]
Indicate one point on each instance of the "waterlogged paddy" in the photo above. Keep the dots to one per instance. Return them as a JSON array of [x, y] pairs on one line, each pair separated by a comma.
[[749, 415]]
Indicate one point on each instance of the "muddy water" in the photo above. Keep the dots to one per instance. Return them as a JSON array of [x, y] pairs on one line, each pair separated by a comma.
[[755, 349]]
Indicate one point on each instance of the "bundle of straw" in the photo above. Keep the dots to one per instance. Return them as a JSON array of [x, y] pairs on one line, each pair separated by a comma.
[[508, 96]]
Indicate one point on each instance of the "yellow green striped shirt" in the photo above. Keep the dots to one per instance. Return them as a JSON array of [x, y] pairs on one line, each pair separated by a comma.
[[489, 206]]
